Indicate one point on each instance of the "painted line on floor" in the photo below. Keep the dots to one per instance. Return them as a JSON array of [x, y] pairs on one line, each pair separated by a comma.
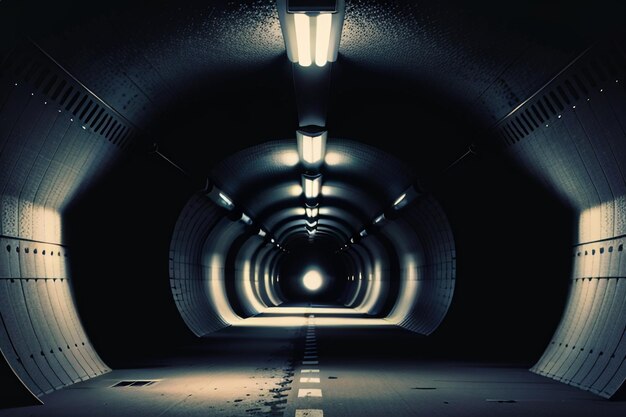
[[309, 412], [309, 380], [309, 392], [309, 371], [310, 362]]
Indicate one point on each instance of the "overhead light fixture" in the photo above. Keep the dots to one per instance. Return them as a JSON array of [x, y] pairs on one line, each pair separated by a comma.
[[262, 233], [312, 211], [311, 185], [311, 29], [311, 145], [272, 240], [379, 218], [311, 224], [363, 233], [310, 231]]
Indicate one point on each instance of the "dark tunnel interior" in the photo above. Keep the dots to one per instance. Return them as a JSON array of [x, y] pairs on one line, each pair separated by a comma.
[[168, 217]]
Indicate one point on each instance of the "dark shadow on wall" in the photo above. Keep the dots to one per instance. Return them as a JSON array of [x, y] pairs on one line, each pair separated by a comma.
[[119, 236], [514, 242]]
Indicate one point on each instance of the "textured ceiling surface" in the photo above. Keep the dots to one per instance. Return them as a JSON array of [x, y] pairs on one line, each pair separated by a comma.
[[172, 67], [420, 80]]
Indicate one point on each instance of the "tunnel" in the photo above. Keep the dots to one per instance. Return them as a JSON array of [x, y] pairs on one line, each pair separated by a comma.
[[312, 207]]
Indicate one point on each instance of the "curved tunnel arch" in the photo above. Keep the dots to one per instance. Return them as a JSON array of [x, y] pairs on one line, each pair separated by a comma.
[[372, 254], [59, 142]]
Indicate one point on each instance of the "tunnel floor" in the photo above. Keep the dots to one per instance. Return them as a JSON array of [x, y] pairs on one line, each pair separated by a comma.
[[314, 361]]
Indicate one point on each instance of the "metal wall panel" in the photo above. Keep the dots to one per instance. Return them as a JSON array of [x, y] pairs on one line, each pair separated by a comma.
[[579, 153], [48, 154]]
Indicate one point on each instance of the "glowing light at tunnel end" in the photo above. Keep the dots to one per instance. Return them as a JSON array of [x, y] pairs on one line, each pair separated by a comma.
[[312, 280]]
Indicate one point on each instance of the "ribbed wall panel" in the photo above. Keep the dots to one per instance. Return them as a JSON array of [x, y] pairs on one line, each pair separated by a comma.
[[433, 265], [578, 151], [49, 154], [188, 274]]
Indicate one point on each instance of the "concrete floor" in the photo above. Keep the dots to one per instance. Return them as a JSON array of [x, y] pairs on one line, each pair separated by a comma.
[[286, 363]]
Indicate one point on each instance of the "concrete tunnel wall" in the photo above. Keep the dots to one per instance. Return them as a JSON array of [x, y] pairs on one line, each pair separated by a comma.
[[571, 135], [55, 140]]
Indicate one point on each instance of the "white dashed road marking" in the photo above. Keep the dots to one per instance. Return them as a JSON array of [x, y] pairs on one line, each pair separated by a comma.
[[309, 413], [310, 380], [309, 392]]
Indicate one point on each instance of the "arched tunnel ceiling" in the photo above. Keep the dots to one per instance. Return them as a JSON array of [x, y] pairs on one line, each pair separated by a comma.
[[358, 183], [174, 67]]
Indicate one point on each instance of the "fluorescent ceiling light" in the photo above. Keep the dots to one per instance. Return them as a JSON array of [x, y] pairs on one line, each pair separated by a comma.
[[303, 38], [311, 185], [363, 233], [312, 211], [311, 224], [311, 146], [313, 38], [262, 233], [312, 30], [379, 219], [322, 38]]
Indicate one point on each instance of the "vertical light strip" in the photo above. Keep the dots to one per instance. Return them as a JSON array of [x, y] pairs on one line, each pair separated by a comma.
[[303, 38], [322, 38], [311, 186], [311, 147], [307, 149]]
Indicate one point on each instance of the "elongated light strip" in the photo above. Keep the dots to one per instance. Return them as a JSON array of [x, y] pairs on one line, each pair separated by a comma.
[[311, 186], [303, 38], [226, 200], [322, 38], [399, 199], [313, 148]]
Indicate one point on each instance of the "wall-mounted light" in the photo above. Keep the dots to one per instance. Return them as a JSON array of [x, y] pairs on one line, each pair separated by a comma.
[[312, 211], [219, 197], [246, 219], [400, 200], [406, 197], [226, 200], [311, 185], [311, 29], [311, 145]]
